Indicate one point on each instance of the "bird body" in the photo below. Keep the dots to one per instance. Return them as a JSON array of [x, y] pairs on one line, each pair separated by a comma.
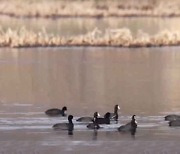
[[125, 128], [85, 119], [105, 120], [172, 117], [56, 112], [62, 126], [88, 119], [174, 123], [93, 126], [65, 126], [129, 127]]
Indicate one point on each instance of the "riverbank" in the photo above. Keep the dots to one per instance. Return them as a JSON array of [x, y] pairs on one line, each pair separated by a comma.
[[89, 8]]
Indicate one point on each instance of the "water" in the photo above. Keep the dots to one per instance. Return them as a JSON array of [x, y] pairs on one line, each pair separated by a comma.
[[143, 81]]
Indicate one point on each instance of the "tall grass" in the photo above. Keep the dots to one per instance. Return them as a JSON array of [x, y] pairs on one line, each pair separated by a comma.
[[89, 8], [110, 37]]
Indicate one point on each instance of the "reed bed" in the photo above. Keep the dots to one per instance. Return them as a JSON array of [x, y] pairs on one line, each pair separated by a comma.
[[89, 8], [110, 37]]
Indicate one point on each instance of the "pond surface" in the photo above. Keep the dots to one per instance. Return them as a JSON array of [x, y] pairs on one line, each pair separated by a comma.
[[143, 81]]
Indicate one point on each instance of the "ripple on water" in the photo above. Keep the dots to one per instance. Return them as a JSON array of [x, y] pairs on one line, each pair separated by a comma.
[[40, 121]]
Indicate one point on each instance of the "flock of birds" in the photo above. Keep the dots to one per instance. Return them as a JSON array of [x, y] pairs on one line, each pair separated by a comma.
[[95, 121]]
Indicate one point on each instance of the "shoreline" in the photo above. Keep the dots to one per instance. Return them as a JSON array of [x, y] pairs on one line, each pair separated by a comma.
[[91, 46], [98, 16], [123, 37], [89, 8]]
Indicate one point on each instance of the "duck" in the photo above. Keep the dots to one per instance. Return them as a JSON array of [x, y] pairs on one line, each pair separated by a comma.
[[172, 117], [129, 127], [93, 125], [174, 123], [88, 119], [65, 126], [57, 112], [115, 115], [105, 120]]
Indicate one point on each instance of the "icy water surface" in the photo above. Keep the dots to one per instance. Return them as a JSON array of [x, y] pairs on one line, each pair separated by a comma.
[[142, 81]]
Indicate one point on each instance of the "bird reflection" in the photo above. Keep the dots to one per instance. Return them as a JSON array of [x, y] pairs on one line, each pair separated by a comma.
[[133, 132], [95, 134], [70, 132]]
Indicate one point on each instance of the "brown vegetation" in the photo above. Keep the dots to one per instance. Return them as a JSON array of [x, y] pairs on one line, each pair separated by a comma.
[[89, 8], [110, 37]]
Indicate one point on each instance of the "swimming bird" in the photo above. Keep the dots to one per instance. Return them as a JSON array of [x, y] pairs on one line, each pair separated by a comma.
[[129, 127], [174, 123], [172, 117], [88, 119], [105, 120], [93, 125], [115, 115], [65, 126], [57, 112]]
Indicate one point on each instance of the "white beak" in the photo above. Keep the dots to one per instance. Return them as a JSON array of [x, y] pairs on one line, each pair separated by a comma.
[[98, 115]]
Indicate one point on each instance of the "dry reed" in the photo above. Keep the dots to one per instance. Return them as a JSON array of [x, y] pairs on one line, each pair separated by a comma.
[[89, 8], [110, 37]]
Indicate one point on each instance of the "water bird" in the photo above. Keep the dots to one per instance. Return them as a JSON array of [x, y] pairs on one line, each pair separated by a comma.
[[172, 117], [88, 119], [105, 120], [129, 127], [57, 112], [115, 115], [65, 126], [174, 123], [93, 125]]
